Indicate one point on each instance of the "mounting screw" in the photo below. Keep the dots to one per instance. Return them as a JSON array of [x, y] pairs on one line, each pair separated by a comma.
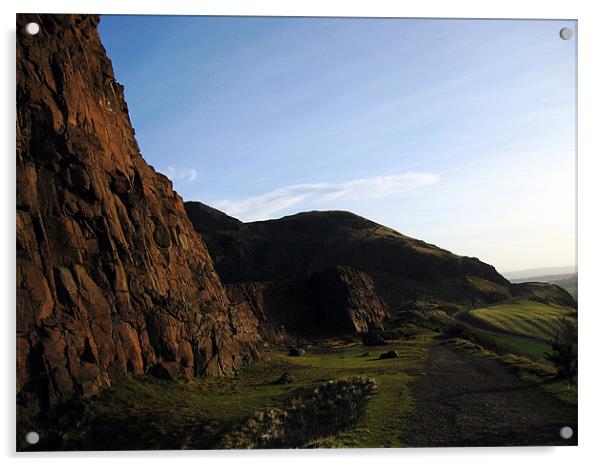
[[566, 33], [32, 28], [32, 438]]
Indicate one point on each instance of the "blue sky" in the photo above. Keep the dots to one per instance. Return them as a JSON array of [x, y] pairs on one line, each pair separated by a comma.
[[457, 132]]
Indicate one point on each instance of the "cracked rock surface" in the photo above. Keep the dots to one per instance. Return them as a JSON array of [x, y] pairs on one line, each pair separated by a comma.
[[111, 276]]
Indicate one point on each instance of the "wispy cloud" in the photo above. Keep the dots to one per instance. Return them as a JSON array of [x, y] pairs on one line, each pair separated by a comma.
[[186, 175], [266, 205]]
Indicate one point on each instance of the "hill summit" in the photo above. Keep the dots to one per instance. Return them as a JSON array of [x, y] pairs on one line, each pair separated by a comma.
[[407, 272]]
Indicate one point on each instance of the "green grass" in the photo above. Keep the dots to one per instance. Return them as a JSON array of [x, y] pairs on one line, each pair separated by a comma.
[[146, 413], [523, 346], [523, 317]]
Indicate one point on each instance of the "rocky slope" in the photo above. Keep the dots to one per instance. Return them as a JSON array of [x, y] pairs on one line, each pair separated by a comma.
[[335, 301], [407, 272], [111, 276]]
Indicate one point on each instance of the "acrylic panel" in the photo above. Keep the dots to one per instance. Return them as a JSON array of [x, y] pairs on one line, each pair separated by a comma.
[[324, 232]]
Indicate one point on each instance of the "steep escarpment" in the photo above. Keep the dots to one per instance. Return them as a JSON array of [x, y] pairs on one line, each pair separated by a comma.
[[335, 301], [407, 272], [111, 276]]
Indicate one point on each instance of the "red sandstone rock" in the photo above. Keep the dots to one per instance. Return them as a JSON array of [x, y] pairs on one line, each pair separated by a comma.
[[111, 276]]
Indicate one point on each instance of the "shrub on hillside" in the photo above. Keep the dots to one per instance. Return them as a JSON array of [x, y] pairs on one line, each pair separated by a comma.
[[564, 350]]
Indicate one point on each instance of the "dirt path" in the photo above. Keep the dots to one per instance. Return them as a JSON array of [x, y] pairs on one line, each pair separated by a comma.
[[465, 400]]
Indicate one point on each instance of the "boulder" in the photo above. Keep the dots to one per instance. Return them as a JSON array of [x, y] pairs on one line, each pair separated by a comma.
[[392, 354], [296, 351], [285, 378]]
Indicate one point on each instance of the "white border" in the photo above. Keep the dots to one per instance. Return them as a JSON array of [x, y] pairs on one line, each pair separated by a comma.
[[590, 234]]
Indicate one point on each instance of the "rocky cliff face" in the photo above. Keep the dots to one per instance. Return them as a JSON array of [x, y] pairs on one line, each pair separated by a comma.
[[407, 272], [111, 276], [336, 301]]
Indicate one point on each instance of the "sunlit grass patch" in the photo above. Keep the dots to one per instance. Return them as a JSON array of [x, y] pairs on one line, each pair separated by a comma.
[[523, 317]]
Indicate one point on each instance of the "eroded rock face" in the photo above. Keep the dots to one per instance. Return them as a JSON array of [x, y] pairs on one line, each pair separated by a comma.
[[111, 276], [336, 301]]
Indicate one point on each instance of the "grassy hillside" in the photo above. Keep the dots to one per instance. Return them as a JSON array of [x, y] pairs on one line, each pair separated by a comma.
[[523, 317]]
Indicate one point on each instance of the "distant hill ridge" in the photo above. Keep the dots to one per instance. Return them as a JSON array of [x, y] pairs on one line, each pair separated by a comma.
[[568, 281], [523, 275], [406, 271]]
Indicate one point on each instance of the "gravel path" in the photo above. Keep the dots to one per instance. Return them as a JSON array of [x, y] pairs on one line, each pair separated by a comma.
[[466, 400]]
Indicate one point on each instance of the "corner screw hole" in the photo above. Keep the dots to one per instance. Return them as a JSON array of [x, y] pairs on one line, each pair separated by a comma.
[[32, 438], [566, 33], [566, 432], [32, 28]]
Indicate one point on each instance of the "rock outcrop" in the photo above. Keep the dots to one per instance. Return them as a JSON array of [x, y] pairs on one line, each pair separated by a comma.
[[111, 276], [346, 299], [408, 273], [336, 301], [546, 293], [332, 407]]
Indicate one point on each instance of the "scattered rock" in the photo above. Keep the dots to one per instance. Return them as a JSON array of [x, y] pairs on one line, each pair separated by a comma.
[[295, 351], [392, 354], [284, 379]]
